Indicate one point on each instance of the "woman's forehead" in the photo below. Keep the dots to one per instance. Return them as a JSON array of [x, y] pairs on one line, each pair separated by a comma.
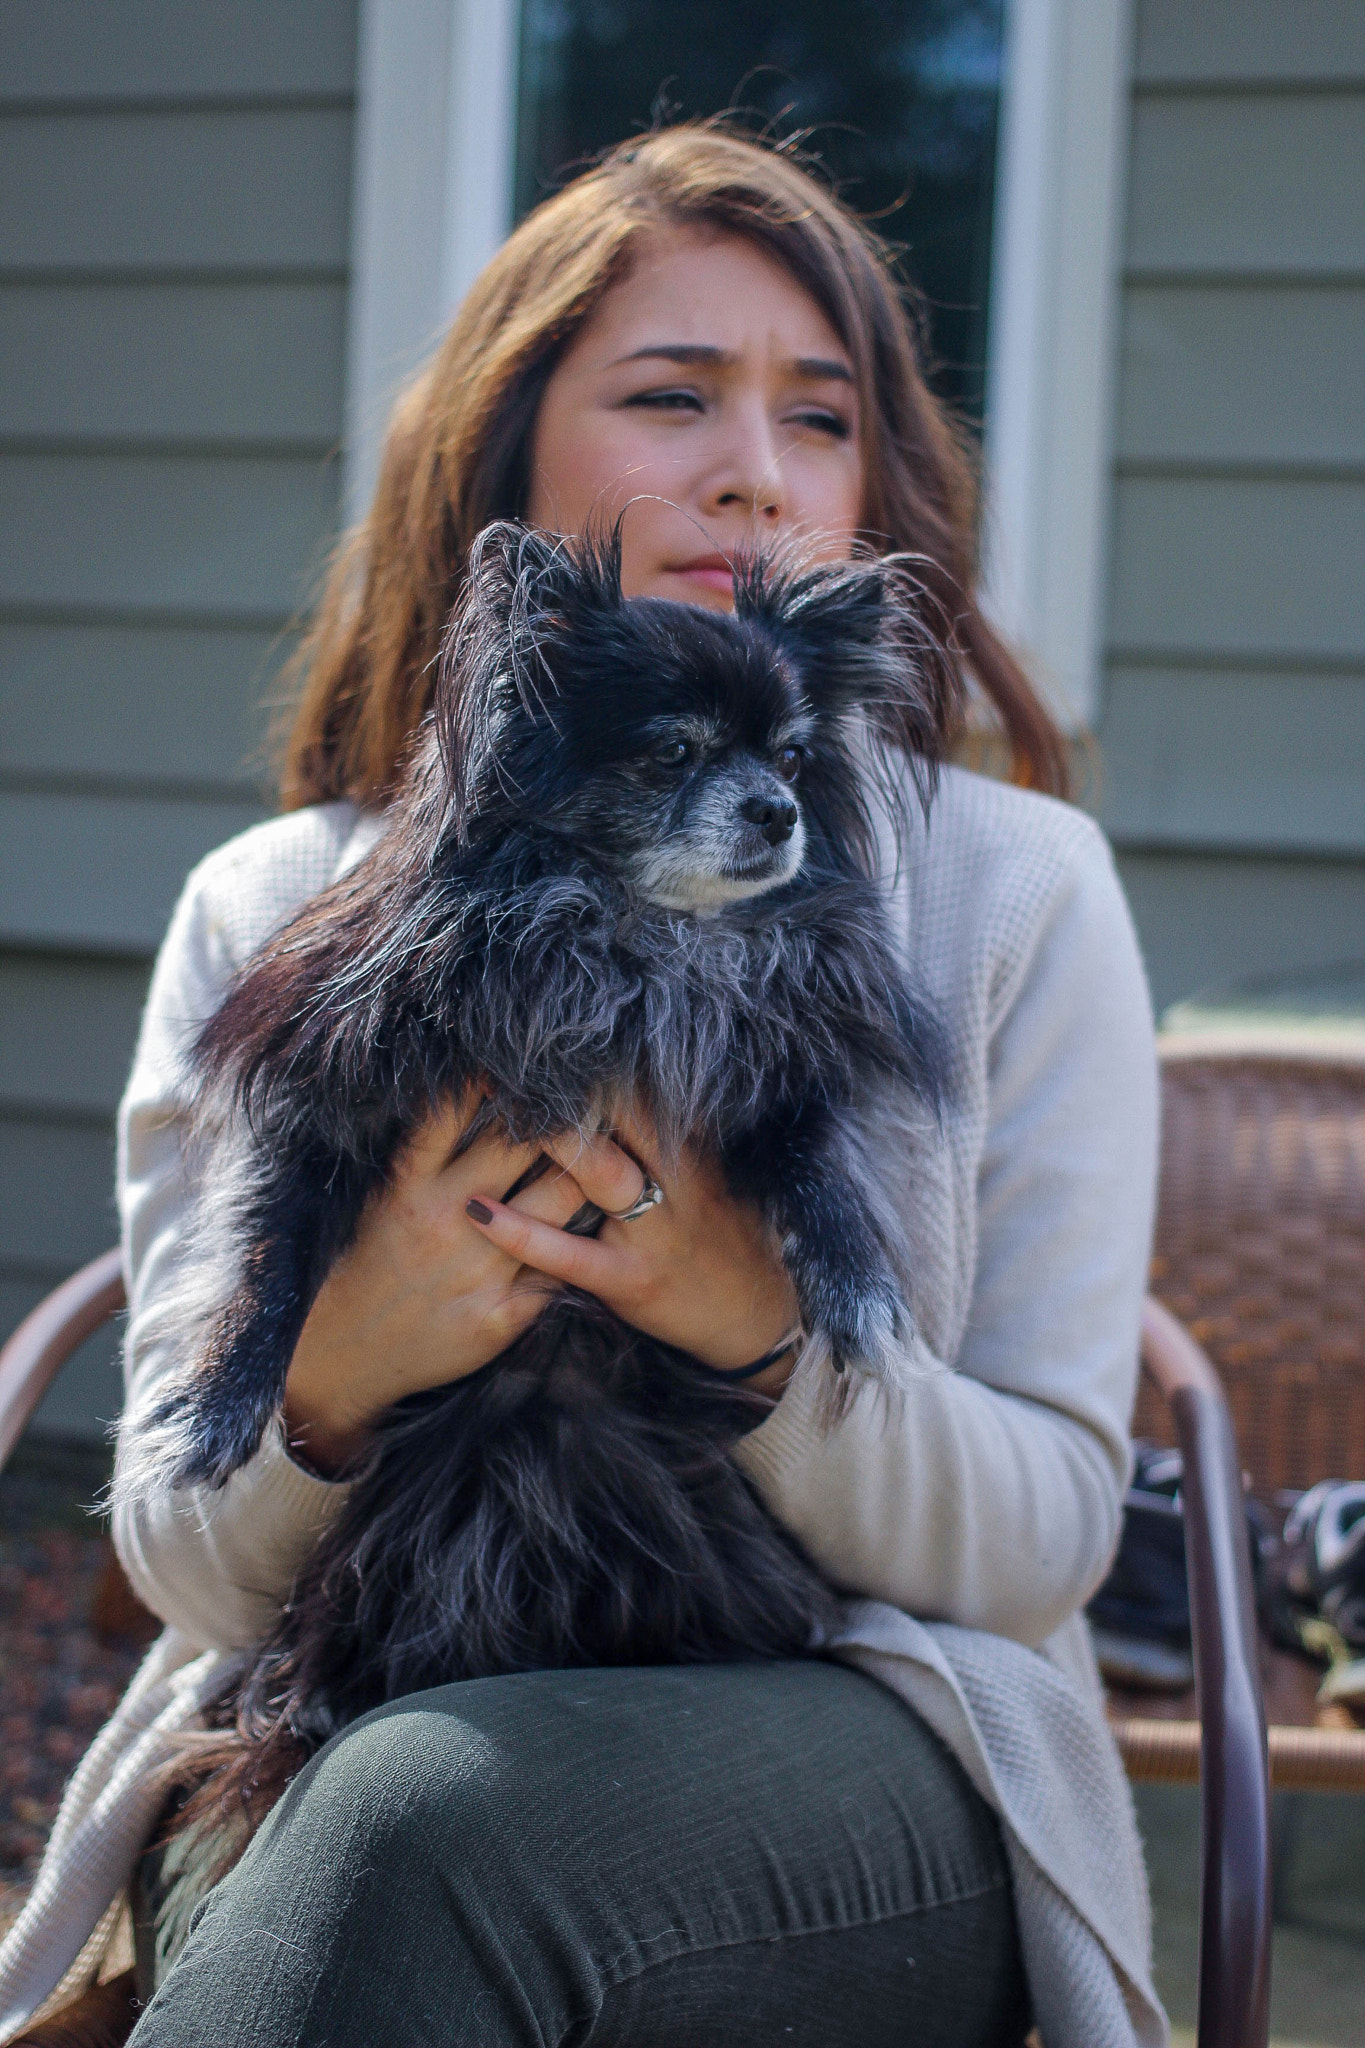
[[707, 289]]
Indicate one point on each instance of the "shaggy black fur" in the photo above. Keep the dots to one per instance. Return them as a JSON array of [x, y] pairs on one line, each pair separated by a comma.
[[629, 861]]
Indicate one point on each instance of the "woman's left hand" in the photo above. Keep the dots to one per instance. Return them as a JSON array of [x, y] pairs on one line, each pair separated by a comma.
[[699, 1270]]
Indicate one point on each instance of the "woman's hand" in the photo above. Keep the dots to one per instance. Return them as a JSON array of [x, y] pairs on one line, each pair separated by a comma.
[[700, 1270], [422, 1297]]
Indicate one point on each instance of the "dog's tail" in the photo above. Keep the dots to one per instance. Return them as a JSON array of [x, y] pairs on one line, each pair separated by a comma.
[[228, 1780]]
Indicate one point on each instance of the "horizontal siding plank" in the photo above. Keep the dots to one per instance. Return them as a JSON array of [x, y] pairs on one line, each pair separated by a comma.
[[136, 704], [56, 1194], [1208, 919], [101, 873], [1237, 41], [205, 190], [230, 536], [67, 1031], [193, 362], [140, 49], [87, 1394], [1236, 566], [1235, 760], [1245, 375], [1267, 185]]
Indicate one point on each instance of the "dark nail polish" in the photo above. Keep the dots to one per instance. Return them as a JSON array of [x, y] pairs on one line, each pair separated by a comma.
[[480, 1211]]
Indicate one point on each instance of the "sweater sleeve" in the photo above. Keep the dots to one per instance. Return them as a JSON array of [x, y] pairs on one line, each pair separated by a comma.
[[215, 1563], [989, 1492]]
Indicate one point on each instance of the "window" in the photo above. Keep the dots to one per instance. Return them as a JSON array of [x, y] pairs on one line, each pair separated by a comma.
[[900, 98]]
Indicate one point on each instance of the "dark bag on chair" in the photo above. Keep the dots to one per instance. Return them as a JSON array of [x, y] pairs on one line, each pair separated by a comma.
[[1140, 1618]]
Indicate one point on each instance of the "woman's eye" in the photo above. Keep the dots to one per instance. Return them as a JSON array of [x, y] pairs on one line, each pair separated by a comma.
[[667, 401], [789, 763], [674, 753], [829, 423]]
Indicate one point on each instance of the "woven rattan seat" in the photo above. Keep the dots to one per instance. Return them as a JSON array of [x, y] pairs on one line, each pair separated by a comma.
[[1260, 1251]]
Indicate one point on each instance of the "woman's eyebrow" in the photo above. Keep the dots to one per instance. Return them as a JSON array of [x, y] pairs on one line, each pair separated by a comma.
[[690, 352], [822, 366], [695, 353]]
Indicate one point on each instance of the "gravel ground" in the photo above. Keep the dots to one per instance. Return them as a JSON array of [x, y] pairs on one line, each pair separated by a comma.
[[66, 1650]]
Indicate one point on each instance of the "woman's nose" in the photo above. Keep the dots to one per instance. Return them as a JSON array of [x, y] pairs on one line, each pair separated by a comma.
[[762, 500], [749, 478]]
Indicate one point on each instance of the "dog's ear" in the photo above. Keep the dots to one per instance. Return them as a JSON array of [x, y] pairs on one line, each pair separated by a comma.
[[524, 592], [868, 636], [530, 587], [827, 610]]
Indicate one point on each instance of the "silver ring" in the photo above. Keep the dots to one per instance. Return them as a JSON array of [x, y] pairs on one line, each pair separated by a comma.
[[649, 1197]]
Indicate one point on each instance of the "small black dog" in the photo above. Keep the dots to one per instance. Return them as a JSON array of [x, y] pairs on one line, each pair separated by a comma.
[[629, 862]]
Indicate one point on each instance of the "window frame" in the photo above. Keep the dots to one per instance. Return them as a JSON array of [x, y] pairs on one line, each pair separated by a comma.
[[431, 194], [433, 198], [1052, 346]]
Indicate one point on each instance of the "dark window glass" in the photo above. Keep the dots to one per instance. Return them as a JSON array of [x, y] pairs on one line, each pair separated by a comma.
[[902, 99]]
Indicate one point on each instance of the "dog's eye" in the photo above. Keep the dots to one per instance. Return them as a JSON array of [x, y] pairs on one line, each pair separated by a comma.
[[673, 753], [789, 763]]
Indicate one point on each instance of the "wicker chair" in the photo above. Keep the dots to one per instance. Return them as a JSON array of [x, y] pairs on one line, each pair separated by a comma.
[[1260, 1253]]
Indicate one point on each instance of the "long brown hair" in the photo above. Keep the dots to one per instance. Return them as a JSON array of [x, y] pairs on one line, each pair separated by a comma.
[[458, 448]]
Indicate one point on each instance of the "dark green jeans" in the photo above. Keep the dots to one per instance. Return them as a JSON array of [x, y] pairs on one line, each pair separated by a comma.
[[733, 1854]]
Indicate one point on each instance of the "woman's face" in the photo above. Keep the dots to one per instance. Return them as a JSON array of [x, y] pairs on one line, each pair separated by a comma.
[[709, 399]]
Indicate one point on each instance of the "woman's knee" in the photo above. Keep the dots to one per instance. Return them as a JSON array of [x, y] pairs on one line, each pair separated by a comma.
[[415, 1785], [395, 1876]]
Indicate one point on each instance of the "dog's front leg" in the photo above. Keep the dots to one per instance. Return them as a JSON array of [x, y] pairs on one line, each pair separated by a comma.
[[811, 1175], [284, 1232]]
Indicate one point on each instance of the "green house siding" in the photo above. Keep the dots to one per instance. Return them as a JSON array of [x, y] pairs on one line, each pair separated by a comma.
[[174, 233], [1233, 724]]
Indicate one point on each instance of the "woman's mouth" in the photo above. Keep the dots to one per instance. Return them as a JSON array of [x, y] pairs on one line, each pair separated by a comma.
[[711, 572]]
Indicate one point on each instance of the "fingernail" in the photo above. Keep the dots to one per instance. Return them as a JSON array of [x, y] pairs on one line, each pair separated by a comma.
[[480, 1211]]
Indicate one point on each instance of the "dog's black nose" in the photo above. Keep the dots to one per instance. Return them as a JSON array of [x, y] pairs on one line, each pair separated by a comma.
[[775, 816]]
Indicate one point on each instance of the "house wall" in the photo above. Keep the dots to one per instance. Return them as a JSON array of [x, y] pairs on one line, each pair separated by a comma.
[[174, 225], [1233, 725]]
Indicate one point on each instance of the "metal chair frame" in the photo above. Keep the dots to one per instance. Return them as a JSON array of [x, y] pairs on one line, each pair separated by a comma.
[[1235, 1922]]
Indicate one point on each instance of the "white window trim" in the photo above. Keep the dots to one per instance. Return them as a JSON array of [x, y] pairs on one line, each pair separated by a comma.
[[433, 199], [431, 194], [1051, 364]]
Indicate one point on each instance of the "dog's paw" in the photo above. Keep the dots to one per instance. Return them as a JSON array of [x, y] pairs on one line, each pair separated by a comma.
[[191, 1434], [217, 1434], [871, 1336], [860, 1310], [156, 1448]]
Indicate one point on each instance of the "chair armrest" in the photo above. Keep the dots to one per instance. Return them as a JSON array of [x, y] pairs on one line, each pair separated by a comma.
[[43, 1342], [1235, 1878]]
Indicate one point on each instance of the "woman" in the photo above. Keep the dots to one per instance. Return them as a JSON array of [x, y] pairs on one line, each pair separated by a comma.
[[696, 335]]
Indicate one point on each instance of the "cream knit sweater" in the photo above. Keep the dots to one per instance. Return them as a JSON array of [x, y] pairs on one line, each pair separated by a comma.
[[986, 1504]]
